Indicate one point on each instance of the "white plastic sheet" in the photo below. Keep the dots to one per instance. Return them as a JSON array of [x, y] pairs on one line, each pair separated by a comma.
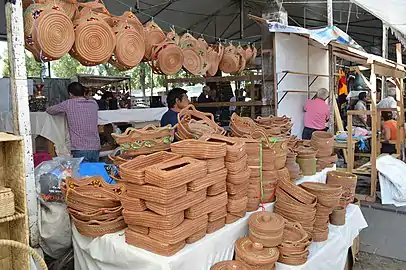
[[392, 179], [110, 252]]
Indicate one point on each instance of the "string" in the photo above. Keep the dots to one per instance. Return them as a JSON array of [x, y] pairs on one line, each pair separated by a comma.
[[35, 15], [154, 19]]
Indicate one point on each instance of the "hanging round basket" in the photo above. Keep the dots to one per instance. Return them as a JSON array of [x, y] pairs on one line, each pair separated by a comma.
[[153, 36], [230, 63], [169, 58]]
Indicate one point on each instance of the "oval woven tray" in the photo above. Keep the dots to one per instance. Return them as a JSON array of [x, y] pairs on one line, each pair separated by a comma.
[[196, 237], [199, 149], [254, 253], [216, 225], [153, 220], [156, 194], [210, 180], [94, 228], [206, 206]]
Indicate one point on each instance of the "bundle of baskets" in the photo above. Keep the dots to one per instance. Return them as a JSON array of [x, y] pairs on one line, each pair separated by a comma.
[[93, 36]]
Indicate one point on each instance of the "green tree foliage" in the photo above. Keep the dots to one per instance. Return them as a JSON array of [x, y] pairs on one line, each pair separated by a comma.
[[68, 67], [33, 67]]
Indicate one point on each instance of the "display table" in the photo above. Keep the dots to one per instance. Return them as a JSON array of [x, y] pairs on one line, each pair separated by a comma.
[[111, 252], [55, 128]]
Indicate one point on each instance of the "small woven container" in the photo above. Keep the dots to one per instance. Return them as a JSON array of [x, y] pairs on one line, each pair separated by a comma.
[[210, 180], [215, 164], [229, 265], [217, 188], [323, 141], [94, 228], [154, 246], [235, 149], [133, 171], [139, 229], [237, 166], [236, 189], [255, 255], [7, 207], [319, 235], [100, 215], [90, 199], [304, 152], [236, 206], [191, 199], [266, 228], [230, 218], [307, 166], [297, 192], [292, 202], [206, 206], [294, 259], [146, 140], [196, 237], [327, 194], [175, 173], [155, 194], [218, 213], [347, 180], [239, 178], [337, 217], [216, 225], [153, 220], [186, 229]]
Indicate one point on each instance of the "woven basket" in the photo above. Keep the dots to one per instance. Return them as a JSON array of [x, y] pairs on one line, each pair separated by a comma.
[[199, 149], [168, 58], [238, 196], [133, 171], [241, 126], [327, 194], [7, 207], [237, 166], [217, 188], [139, 229], [337, 217], [297, 192], [153, 36], [237, 206], [218, 213], [94, 228], [94, 39], [206, 206], [129, 18], [305, 152], [132, 204], [347, 180], [175, 173], [152, 220], [210, 180], [147, 243], [214, 57], [323, 142], [255, 254], [235, 149], [215, 164], [235, 189], [216, 225], [255, 171], [24, 250], [294, 259], [287, 199], [146, 140], [294, 234], [100, 215], [191, 199], [230, 63], [186, 229], [196, 237], [155, 194], [229, 265], [307, 166], [319, 235], [230, 218], [239, 178]]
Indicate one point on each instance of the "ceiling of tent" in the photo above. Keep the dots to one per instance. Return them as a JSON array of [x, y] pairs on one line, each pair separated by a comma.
[[222, 18]]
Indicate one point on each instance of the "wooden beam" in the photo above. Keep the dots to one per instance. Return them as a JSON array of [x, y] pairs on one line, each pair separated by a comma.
[[389, 72], [214, 79], [374, 150]]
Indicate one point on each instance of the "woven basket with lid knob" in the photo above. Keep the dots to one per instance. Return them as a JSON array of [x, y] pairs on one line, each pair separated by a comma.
[[255, 255], [266, 228], [229, 265]]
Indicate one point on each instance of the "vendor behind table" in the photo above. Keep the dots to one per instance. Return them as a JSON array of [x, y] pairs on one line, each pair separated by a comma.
[[177, 99]]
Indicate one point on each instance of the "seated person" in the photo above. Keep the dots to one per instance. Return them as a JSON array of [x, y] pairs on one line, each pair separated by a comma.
[[177, 100], [389, 132], [361, 120]]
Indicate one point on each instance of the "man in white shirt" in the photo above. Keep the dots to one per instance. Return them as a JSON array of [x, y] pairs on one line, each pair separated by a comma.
[[389, 102]]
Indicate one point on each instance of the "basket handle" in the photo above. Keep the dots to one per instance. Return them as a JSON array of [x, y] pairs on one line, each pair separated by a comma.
[[30, 250]]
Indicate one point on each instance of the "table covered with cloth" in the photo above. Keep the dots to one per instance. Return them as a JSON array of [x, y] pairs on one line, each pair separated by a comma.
[[110, 252], [55, 127]]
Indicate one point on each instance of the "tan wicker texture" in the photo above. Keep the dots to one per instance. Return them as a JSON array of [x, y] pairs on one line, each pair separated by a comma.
[[175, 173], [156, 194], [7, 207], [237, 166], [186, 229], [218, 213], [229, 265], [147, 243], [255, 254], [196, 237], [230, 218], [132, 203], [139, 229], [236, 206], [153, 36], [199, 149], [217, 188], [153, 220], [216, 225], [95, 228], [235, 148], [240, 178], [210, 180], [215, 164], [236, 189], [191, 198], [99, 215], [206, 206]]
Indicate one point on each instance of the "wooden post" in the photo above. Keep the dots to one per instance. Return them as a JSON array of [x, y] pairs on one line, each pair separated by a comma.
[[331, 70], [268, 89], [350, 145], [401, 107], [20, 108], [374, 136], [385, 34]]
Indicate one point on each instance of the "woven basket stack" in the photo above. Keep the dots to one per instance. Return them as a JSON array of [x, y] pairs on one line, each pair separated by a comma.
[[295, 204], [275, 126], [254, 255], [94, 205], [266, 228], [160, 201], [323, 142], [215, 205], [294, 249], [349, 183], [328, 197], [293, 167]]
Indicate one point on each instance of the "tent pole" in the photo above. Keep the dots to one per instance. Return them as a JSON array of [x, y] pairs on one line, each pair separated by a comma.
[[385, 33], [331, 70]]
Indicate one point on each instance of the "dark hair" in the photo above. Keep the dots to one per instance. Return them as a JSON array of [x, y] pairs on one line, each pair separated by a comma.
[[76, 89], [175, 93], [386, 116], [362, 95]]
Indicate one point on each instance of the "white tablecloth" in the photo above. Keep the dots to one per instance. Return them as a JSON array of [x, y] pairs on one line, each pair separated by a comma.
[[55, 128], [110, 252]]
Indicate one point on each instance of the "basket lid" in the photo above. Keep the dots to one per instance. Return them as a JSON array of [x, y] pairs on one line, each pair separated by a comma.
[[255, 253]]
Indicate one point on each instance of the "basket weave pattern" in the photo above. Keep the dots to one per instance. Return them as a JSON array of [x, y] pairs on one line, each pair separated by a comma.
[[7, 207]]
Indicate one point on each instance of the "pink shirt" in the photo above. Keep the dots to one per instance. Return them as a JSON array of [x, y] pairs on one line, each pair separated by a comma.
[[317, 112]]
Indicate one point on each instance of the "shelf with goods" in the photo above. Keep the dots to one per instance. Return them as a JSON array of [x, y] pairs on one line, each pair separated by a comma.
[[14, 227]]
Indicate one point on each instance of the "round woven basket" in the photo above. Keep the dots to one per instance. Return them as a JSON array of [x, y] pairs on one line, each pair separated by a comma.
[[229, 265], [94, 41], [192, 61], [68, 7], [129, 18], [337, 217], [153, 36], [169, 58], [255, 254], [230, 63]]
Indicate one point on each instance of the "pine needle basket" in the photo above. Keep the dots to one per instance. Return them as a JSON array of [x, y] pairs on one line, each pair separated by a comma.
[[21, 246]]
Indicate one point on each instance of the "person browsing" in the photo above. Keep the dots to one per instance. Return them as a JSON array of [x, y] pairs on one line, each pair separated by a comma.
[[361, 105], [82, 117], [317, 113], [177, 99]]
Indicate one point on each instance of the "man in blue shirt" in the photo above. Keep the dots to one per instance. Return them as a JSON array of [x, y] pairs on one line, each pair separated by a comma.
[[177, 99]]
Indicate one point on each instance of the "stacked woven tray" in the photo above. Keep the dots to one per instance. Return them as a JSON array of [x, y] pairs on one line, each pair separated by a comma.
[[162, 208], [275, 126], [254, 255], [349, 183], [213, 152], [238, 175], [323, 142], [266, 228], [94, 205], [294, 248], [328, 197], [295, 204]]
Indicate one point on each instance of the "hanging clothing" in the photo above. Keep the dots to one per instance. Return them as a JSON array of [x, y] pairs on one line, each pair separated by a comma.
[[342, 84]]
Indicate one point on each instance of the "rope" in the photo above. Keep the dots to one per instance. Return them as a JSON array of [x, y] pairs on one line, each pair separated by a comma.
[[30, 250]]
